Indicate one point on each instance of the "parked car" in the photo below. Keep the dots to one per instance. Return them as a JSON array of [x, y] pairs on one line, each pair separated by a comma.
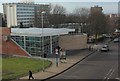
[[107, 36], [105, 48], [116, 40]]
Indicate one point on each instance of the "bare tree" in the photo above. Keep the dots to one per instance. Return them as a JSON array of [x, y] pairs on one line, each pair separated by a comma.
[[58, 9], [112, 22], [57, 16], [98, 23], [81, 14], [82, 11], [117, 23], [70, 18]]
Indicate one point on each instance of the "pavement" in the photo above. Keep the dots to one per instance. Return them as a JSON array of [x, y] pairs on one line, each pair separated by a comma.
[[73, 57]]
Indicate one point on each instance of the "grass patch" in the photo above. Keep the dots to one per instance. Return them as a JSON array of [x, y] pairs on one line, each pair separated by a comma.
[[16, 67]]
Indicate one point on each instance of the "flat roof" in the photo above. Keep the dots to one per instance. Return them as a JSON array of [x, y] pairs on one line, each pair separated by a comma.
[[37, 32]]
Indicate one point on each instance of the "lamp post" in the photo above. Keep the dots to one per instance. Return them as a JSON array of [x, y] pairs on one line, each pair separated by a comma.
[[42, 14]]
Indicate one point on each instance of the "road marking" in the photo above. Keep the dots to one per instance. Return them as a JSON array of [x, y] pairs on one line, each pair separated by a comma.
[[108, 73]]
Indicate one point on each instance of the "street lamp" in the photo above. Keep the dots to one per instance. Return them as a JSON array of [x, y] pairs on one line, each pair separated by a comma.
[[42, 14]]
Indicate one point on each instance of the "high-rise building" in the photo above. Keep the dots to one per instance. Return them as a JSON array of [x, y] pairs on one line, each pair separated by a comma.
[[16, 13], [27, 13], [96, 8], [38, 15]]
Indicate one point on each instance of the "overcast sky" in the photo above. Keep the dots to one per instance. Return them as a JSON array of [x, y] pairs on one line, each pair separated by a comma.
[[109, 6]]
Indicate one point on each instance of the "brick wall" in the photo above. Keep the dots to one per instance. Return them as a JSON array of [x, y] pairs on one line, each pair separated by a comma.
[[8, 47]]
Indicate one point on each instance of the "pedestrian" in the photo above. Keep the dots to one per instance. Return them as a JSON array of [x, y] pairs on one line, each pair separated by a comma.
[[89, 47], [61, 55], [30, 75], [45, 55]]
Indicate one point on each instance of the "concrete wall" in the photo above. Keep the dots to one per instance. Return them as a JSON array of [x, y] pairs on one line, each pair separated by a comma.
[[71, 42]]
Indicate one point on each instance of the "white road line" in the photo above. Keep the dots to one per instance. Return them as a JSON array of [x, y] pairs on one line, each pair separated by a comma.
[[111, 74], [107, 74]]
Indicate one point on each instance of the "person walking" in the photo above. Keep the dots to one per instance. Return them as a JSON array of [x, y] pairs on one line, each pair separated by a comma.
[[45, 55], [30, 75]]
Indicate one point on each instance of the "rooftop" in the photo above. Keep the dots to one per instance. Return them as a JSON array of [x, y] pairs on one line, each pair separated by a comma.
[[38, 31]]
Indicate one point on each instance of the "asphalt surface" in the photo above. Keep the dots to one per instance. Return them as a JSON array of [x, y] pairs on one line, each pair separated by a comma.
[[100, 65]]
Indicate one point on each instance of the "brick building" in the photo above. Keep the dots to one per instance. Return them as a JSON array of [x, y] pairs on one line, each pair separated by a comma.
[[8, 46]]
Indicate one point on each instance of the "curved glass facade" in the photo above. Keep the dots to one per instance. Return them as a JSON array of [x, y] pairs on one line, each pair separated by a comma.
[[33, 45]]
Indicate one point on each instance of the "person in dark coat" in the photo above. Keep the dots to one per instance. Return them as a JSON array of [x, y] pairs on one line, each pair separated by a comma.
[[30, 75], [45, 55]]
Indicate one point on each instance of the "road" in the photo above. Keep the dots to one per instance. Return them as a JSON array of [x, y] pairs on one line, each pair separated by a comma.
[[100, 65]]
